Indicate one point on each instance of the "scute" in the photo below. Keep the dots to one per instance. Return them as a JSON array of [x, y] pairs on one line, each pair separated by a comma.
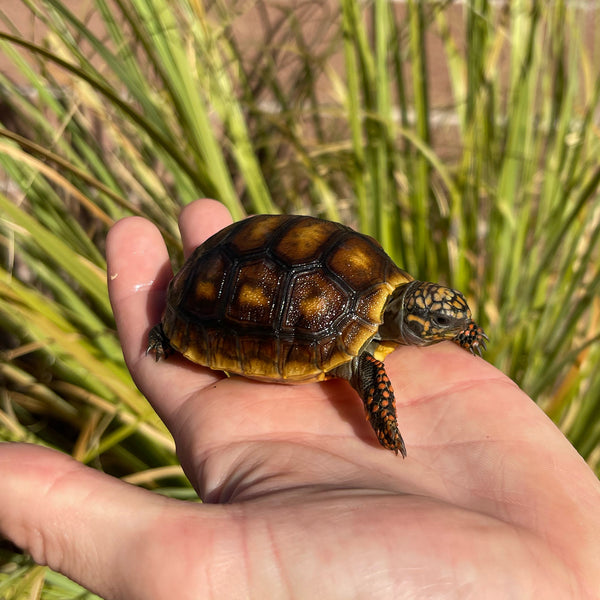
[[369, 304], [277, 297], [304, 242], [298, 361], [353, 333], [315, 303], [254, 293], [254, 355], [355, 261], [250, 234], [197, 294]]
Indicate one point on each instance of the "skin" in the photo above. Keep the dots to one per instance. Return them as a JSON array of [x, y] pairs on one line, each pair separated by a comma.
[[300, 499]]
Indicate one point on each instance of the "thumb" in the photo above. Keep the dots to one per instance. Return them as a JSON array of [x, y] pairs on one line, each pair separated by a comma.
[[97, 530]]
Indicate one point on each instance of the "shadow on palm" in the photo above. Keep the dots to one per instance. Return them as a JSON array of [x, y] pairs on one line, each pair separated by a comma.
[[317, 434]]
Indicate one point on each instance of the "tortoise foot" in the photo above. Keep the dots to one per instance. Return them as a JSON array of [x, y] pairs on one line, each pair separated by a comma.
[[158, 343]]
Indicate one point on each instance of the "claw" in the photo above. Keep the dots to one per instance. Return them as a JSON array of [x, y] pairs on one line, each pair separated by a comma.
[[475, 348], [472, 338], [479, 345], [158, 343]]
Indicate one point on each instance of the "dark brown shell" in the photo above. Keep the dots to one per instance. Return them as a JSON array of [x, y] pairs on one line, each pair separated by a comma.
[[280, 298]]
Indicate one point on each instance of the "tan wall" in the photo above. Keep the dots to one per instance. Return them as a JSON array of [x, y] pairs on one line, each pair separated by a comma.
[[587, 18]]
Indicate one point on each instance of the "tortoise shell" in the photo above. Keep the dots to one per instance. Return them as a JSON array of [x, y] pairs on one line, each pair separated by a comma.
[[277, 297], [294, 298]]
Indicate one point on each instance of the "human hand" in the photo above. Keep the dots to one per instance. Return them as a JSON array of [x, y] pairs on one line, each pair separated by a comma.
[[300, 499]]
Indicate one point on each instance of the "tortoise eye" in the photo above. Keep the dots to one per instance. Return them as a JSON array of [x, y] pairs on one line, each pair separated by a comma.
[[442, 320]]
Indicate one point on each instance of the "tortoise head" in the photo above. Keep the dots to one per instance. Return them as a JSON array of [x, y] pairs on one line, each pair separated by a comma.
[[422, 313]]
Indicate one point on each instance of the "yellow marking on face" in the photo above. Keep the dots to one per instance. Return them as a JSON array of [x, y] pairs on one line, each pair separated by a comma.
[[424, 324]]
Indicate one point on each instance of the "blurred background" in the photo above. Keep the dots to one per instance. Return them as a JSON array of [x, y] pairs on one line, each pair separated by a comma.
[[462, 135]]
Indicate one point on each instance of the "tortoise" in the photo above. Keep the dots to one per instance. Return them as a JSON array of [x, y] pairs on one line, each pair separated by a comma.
[[291, 298]]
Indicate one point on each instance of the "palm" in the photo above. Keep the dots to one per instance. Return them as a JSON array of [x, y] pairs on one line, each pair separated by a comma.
[[309, 463], [300, 500]]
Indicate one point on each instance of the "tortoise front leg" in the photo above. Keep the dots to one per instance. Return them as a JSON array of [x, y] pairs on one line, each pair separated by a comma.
[[370, 380]]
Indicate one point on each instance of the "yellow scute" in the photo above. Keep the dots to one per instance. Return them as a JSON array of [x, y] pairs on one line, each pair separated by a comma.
[[313, 305], [252, 295], [205, 290]]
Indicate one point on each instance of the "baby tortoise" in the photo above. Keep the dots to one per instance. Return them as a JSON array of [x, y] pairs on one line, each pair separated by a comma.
[[291, 298]]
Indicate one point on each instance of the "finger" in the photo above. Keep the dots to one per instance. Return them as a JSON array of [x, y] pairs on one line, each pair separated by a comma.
[[138, 275], [199, 220], [78, 521], [115, 539]]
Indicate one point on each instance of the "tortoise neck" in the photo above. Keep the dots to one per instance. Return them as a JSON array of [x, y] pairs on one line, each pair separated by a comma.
[[394, 324]]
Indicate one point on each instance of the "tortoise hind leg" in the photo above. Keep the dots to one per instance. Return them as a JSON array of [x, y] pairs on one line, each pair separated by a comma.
[[158, 343], [372, 383]]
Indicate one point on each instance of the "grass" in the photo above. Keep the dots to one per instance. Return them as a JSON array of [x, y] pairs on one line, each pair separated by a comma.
[[326, 110]]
